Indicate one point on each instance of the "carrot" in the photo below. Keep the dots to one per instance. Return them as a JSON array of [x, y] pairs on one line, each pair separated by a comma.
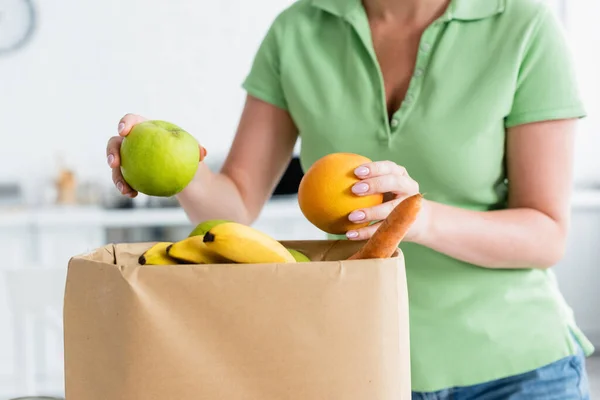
[[392, 230]]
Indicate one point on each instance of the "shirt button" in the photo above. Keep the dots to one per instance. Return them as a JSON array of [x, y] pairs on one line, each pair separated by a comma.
[[394, 123], [418, 72], [408, 99], [425, 47]]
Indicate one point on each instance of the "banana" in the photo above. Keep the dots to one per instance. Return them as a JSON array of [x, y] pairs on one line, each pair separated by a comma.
[[205, 226], [157, 255], [299, 256], [244, 244], [193, 250]]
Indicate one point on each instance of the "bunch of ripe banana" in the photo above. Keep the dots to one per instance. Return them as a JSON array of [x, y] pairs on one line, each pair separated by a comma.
[[222, 242]]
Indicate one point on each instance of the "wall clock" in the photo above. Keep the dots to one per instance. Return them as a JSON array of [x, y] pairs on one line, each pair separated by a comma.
[[17, 24]]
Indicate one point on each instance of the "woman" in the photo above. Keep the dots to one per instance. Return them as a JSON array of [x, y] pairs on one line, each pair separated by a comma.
[[472, 102]]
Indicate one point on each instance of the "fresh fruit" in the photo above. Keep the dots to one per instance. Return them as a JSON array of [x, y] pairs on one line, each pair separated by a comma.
[[159, 158], [392, 230], [205, 226], [299, 256], [157, 255], [325, 193], [193, 250], [244, 244]]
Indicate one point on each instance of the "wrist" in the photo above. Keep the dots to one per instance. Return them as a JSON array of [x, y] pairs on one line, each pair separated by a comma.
[[423, 226], [185, 192], [191, 188]]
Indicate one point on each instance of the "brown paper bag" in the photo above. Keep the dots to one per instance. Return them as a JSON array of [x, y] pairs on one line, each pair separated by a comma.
[[324, 330]]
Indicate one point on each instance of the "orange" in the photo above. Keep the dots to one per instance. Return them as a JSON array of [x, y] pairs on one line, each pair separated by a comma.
[[325, 193]]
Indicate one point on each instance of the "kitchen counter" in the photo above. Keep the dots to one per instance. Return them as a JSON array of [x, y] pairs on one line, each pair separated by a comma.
[[48, 237], [276, 208], [585, 198], [280, 207]]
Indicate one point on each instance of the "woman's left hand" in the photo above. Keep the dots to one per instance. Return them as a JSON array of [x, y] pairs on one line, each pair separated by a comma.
[[384, 177]]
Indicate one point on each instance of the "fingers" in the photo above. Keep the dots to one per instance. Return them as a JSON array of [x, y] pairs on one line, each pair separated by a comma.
[[376, 213], [383, 177], [112, 151], [379, 177], [399, 184], [379, 168], [121, 185], [363, 233], [113, 160], [127, 122], [203, 153]]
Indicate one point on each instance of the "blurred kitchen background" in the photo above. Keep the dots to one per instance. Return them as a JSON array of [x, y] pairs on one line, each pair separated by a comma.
[[70, 69]]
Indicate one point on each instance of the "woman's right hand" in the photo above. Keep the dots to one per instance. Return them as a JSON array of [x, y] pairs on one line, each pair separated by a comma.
[[113, 150]]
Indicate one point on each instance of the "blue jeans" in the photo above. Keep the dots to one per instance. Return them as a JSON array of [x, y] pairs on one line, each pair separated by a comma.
[[565, 379]]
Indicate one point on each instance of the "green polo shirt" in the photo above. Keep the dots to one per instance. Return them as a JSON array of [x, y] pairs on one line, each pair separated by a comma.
[[482, 67]]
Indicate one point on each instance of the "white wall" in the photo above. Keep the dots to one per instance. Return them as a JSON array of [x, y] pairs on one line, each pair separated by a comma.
[[581, 19], [91, 62]]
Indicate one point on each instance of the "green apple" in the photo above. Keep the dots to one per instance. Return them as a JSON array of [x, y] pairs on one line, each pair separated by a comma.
[[159, 158], [299, 256], [203, 227]]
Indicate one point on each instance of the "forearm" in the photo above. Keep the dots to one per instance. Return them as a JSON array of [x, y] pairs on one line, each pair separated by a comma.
[[511, 238], [213, 196]]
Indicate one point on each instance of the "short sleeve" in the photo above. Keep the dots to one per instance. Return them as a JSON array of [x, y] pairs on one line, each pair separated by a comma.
[[264, 78], [547, 87]]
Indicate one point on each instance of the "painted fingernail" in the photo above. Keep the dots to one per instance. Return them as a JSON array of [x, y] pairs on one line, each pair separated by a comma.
[[120, 187], [110, 159], [121, 127], [361, 171], [360, 188], [352, 234], [356, 216]]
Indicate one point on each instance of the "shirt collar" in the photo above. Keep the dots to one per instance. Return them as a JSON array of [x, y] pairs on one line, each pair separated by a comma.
[[340, 8], [470, 10], [466, 10]]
